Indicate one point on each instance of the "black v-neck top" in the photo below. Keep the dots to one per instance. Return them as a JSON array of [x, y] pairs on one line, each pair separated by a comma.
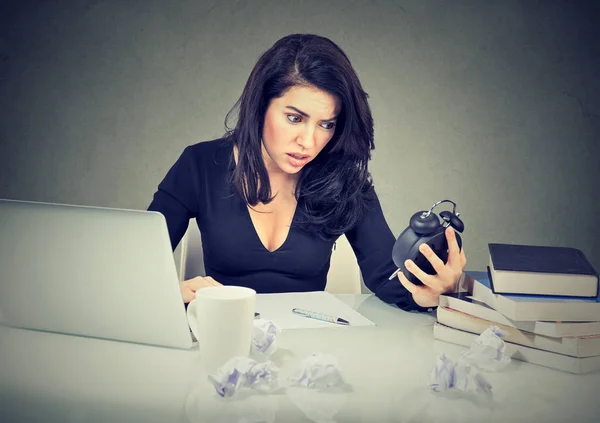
[[197, 186]]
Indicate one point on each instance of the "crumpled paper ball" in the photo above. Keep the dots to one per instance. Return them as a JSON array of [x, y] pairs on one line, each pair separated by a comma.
[[487, 352], [244, 372], [447, 374], [468, 379], [264, 338], [318, 371]]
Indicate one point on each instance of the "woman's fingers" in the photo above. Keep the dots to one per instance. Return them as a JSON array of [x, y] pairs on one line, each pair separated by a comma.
[[436, 262], [422, 295], [446, 274], [189, 287], [186, 292], [195, 284], [427, 280], [463, 259], [212, 282], [410, 287], [442, 281], [202, 282], [453, 248]]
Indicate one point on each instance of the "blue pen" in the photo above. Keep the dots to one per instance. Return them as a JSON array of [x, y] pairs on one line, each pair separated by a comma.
[[320, 316]]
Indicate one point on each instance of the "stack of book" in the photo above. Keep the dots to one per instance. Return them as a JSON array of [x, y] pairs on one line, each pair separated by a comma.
[[546, 299]]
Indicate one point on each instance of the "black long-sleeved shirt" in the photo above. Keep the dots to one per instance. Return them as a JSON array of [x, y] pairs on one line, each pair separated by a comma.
[[197, 186]]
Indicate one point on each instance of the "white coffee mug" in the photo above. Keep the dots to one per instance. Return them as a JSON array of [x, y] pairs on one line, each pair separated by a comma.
[[222, 320]]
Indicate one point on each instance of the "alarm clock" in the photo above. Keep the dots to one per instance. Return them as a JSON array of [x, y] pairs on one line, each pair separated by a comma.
[[425, 227]]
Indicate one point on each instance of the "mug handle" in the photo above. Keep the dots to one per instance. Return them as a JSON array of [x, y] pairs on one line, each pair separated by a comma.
[[191, 317]]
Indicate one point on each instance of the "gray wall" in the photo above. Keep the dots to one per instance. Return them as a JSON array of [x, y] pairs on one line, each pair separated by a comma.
[[494, 104]]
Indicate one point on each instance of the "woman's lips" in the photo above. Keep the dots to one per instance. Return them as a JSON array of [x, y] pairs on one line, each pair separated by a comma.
[[297, 160]]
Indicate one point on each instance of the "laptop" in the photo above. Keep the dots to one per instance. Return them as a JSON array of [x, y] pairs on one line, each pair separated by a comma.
[[90, 271]]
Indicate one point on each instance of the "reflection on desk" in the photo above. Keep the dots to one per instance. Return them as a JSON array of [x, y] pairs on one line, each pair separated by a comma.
[[52, 377]]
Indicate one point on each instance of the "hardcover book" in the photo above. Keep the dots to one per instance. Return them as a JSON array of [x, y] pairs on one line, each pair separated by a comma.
[[541, 270], [466, 303], [520, 352], [535, 307], [586, 346]]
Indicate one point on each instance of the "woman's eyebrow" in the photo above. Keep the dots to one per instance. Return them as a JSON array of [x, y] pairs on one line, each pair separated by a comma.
[[307, 115]]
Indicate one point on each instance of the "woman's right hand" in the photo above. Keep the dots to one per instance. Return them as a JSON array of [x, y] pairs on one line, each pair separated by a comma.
[[189, 287]]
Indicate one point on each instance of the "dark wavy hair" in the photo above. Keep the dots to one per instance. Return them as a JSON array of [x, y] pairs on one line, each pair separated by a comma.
[[332, 188]]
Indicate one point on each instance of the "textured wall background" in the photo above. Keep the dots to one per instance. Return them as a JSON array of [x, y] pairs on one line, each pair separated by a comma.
[[495, 105]]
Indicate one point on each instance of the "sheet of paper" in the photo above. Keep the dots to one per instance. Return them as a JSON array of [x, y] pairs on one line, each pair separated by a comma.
[[278, 308]]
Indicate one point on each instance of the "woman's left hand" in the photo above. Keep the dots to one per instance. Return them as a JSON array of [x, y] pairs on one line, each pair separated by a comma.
[[446, 279]]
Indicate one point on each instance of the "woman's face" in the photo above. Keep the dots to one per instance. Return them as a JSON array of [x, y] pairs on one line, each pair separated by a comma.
[[297, 127]]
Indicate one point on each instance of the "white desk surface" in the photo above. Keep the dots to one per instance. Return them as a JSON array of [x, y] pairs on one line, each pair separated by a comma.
[[50, 377]]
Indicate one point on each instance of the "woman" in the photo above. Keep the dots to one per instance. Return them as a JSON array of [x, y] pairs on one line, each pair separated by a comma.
[[272, 196]]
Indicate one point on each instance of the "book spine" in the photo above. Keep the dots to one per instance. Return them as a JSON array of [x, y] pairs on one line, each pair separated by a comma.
[[522, 353], [573, 346]]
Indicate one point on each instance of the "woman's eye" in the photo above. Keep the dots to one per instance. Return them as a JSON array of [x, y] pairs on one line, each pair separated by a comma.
[[293, 118], [328, 125]]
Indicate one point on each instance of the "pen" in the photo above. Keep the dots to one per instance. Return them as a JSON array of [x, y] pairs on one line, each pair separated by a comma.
[[320, 316]]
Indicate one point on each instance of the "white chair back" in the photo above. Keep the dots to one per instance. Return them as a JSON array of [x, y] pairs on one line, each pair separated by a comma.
[[344, 275], [192, 257]]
